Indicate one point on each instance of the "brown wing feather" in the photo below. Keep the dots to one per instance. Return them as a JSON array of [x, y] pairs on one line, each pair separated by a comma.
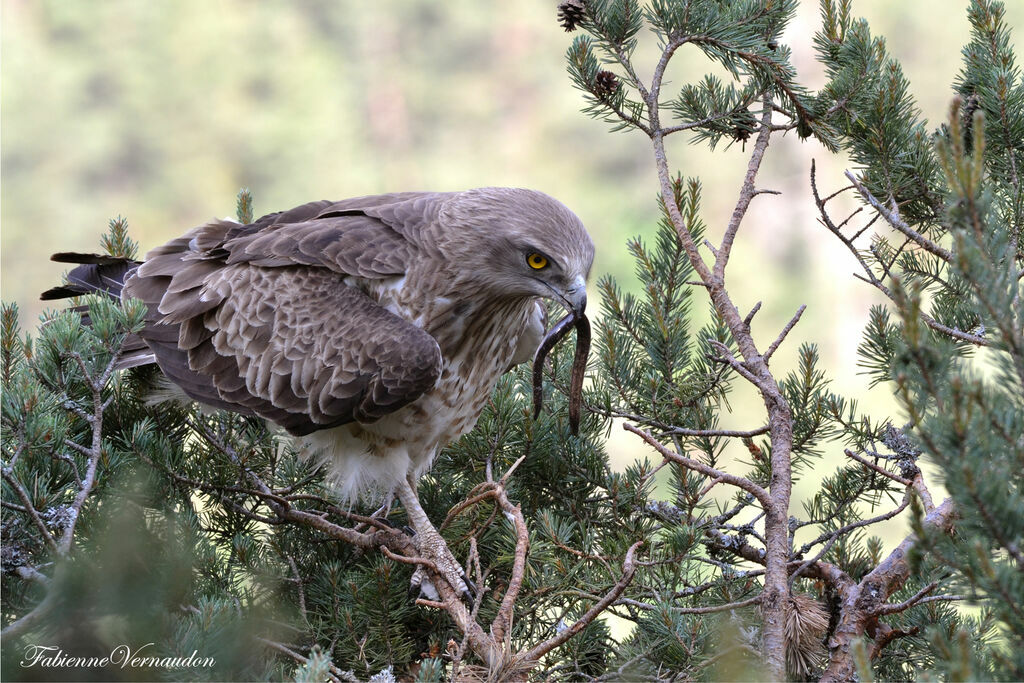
[[370, 237], [353, 245], [258, 319]]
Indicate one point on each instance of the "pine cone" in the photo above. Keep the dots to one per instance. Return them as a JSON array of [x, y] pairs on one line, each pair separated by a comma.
[[570, 13], [745, 125], [605, 85], [803, 128]]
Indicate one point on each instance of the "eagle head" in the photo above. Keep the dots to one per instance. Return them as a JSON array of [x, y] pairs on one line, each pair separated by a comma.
[[511, 242]]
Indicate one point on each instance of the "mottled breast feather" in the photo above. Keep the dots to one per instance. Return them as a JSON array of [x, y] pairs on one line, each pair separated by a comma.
[[258, 318]]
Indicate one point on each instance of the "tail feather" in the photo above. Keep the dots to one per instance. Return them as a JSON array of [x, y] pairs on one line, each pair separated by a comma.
[[97, 273], [100, 273], [98, 259]]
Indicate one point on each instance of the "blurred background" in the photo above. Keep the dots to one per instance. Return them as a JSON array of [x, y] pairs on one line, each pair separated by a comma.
[[160, 110]]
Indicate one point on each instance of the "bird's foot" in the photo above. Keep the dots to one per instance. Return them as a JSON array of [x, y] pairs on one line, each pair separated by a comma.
[[433, 548]]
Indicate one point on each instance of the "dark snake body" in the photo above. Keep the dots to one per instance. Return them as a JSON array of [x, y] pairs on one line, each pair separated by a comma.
[[579, 365]]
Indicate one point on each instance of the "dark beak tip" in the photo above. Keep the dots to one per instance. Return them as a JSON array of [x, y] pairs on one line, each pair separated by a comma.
[[579, 309]]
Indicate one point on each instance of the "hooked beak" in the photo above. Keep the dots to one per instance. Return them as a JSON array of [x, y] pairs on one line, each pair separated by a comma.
[[575, 297]]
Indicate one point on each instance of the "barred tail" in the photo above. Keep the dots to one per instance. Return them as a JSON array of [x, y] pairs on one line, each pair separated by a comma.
[[99, 273]]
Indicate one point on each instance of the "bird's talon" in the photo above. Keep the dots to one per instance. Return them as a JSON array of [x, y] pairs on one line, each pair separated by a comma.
[[469, 595], [433, 548]]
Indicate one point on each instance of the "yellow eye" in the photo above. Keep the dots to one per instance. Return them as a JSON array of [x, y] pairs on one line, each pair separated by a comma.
[[536, 261]]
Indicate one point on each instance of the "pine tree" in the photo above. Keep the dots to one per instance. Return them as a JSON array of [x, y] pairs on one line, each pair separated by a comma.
[[207, 533]]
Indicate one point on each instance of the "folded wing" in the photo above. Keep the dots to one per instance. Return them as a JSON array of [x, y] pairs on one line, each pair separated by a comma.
[[262, 319]]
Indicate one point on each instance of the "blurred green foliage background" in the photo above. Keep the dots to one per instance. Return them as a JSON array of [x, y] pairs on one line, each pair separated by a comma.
[[160, 110]]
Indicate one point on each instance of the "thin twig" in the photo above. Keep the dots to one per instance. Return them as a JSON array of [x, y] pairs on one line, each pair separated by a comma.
[[881, 470], [885, 634], [299, 583], [750, 316], [918, 597], [893, 218], [732, 433], [739, 482], [733, 362], [727, 607], [785, 331]]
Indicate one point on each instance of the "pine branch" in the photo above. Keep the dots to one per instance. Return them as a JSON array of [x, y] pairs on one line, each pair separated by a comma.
[[628, 568], [28, 507], [859, 602], [747, 193]]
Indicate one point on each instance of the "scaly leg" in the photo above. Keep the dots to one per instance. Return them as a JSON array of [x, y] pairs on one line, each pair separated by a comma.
[[431, 546]]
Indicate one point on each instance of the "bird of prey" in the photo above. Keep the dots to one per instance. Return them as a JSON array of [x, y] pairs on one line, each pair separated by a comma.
[[372, 329]]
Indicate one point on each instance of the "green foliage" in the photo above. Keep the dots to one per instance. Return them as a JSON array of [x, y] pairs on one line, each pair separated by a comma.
[[991, 82], [868, 105], [243, 206], [966, 408], [969, 415], [116, 242]]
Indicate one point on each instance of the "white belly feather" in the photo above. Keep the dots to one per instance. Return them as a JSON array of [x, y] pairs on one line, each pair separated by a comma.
[[365, 460]]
